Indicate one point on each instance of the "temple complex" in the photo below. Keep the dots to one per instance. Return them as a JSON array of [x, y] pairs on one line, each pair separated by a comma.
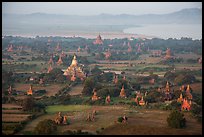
[[30, 91], [98, 40], [95, 97], [74, 69], [168, 54], [122, 92], [60, 62], [58, 48]]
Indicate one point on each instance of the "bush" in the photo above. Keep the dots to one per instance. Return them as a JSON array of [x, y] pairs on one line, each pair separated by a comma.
[[120, 119], [46, 126], [176, 119]]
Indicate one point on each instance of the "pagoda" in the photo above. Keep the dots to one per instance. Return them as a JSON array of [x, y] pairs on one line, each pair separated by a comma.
[[142, 102], [139, 49], [49, 69], [10, 90], [108, 100], [108, 54], [168, 54], [60, 62], [115, 79], [74, 69], [51, 60], [30, 91], [122, 92], [10, 48], [188, 93], [98, 41], [167, 91], [186, 105], [180, 99], [95, 97], [58, 48]]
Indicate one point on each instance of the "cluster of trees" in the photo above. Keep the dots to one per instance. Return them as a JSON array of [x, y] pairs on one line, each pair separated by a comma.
[[180, 77]]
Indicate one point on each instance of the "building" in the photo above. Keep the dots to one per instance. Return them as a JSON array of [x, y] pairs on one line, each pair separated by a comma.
[[10, 48], [188, 93], [49, 69], [74, 69], [30, 91], [60, 62], [108, 99], [98, 41], [51, 60], [108, 54], [95, 97], [122, 92], [180, 99], [186, 106], [168, 54], [142, 102]]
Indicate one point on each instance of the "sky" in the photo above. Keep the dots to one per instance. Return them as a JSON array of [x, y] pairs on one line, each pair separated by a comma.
[[95, 8]]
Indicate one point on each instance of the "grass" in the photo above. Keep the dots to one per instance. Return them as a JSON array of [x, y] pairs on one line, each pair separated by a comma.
[[66, 108]]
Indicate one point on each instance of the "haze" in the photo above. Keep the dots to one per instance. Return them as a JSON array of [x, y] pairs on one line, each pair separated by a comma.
[[95, 8]]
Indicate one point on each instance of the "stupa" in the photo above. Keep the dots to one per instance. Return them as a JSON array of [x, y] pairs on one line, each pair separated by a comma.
[[74, 69], [98, 40], [30, 91], [122, 92]]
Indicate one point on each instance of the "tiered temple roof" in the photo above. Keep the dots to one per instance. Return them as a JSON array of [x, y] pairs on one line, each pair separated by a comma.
[[74, 69], [30, 91], [98, 40]]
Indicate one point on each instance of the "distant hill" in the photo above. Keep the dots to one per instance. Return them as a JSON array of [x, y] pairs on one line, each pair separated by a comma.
[[39, 22]]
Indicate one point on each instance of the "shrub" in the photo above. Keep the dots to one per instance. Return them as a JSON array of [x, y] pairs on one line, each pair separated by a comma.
[[120, 119], [176, 119]]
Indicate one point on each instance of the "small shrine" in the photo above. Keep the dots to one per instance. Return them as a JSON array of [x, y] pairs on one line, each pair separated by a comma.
[[142, 102], [30, 91], [49, 69], [60, 62], [122, 92], [10, 48], [115, 79], [98, 40], [180, 99], [51, 62], [188, 93], [186, 106], [10, 90], [168, 54], [95, 97], [108, 99]]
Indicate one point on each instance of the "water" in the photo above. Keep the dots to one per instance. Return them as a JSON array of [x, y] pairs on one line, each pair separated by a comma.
[[166, 31]]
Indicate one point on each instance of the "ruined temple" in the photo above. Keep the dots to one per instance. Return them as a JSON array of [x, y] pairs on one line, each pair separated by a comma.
[[98, 40]]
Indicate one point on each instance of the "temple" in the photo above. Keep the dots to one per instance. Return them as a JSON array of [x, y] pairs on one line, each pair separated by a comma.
[[98, 40], [30, 91], [186, 105], [60, 62], [115, 79], [10, 48], [122, 92], [10, 90], [180, 99], [74, 69], [167, 91], [108, 100], [49, 69], [142, 102], [188, 93], [168, 54], [51, 60], [95, 97], [139, 49]]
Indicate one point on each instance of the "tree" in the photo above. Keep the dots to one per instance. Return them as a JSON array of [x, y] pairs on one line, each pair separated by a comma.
[[44, 127], [28, 104], [176, 119], [89, 84]]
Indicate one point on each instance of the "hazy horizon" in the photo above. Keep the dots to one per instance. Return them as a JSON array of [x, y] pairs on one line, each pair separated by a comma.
[[96, 8]]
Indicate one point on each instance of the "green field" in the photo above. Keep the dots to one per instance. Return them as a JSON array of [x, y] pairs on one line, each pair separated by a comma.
[[66, 108]]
